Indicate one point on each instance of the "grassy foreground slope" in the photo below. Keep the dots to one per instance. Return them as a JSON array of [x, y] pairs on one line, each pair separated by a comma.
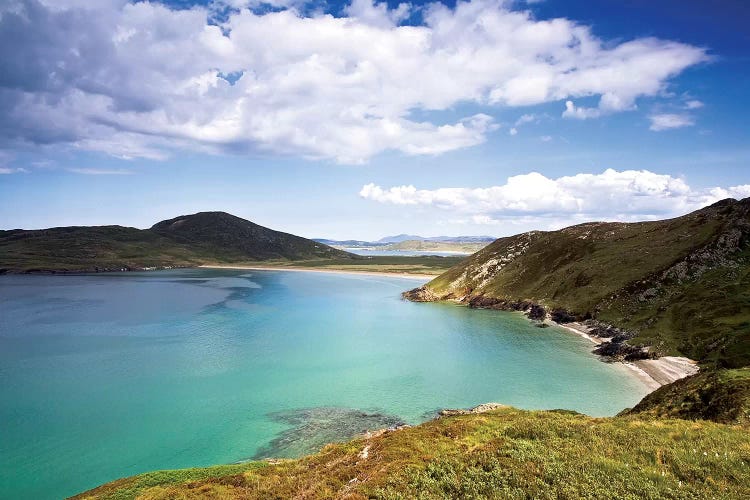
[[505, 453], [206, 237], [681, 285]]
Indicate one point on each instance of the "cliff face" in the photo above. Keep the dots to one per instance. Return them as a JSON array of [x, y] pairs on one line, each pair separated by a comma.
[[681, 285]]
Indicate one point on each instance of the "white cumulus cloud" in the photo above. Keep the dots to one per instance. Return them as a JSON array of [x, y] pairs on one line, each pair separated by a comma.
[[142, 79], [533, 197]]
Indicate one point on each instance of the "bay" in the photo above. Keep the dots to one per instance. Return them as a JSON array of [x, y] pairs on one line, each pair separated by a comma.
[[109, 375]]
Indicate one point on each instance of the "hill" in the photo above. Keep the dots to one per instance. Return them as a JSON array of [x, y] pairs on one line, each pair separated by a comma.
[[680, 286], [400, 238], [503, 453], [237, 238], [721, 396], [190, 240]]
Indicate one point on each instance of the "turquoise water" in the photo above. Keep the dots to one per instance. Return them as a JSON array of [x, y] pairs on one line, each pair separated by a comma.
[[110, 375]]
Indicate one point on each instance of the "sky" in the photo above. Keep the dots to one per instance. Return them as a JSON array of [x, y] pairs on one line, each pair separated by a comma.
[[363, 119]]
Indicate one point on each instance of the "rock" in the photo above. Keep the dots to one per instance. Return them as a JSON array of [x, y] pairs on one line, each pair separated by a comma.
[[421, 294], [622, 350], [477, 409], [536, 312], [482, 302], [562, 316]]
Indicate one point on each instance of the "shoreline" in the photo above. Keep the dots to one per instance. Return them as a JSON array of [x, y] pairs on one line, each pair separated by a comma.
[[654, 373], [329, 271]]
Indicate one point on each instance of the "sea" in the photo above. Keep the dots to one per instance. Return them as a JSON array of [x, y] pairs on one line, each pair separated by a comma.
[[108, 375]]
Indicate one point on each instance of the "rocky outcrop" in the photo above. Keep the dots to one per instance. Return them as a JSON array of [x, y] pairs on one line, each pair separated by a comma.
[[421, 294], [622, 351], [536, 312], [614, 345], [562, 316], [472, 411]]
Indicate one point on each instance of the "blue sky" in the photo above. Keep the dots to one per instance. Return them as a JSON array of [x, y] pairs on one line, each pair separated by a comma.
[[356, 120]]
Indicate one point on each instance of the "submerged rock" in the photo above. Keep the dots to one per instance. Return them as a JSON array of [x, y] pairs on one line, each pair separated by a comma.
[[313, 428]]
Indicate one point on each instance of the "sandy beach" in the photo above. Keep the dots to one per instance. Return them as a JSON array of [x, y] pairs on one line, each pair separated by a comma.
[[426, 277], [652, 372]]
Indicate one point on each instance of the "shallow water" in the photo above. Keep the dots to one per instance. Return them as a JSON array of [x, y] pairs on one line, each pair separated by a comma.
[[109, 375]]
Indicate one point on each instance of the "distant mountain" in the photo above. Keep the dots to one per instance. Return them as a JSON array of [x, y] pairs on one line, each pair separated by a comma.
[[348, 243], [399, 238], [680, 286], [189, 240], [435, 246], [462, 239], [402, 238]]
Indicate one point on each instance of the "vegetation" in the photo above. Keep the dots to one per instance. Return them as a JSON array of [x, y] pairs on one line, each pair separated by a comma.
[[207, 238], [681, 285], [184, 241], [504, 453], [722, 396]]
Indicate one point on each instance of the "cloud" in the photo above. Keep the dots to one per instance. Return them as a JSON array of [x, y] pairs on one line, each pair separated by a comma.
[[9, 170], [572, 111], [667, 121], [142, 79], [523, 119], [99, 171], [535, 198], [694, 104]]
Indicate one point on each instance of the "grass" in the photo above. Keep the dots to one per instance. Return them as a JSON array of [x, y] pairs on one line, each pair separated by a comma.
[[717, 395], [681, 285], [181, 242], [200, 239], [706, 319], [505, 453]]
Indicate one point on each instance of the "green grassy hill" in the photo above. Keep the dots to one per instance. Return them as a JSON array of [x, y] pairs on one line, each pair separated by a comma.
[[721, 396], [202, 238], [681, 286], [505, 453]]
